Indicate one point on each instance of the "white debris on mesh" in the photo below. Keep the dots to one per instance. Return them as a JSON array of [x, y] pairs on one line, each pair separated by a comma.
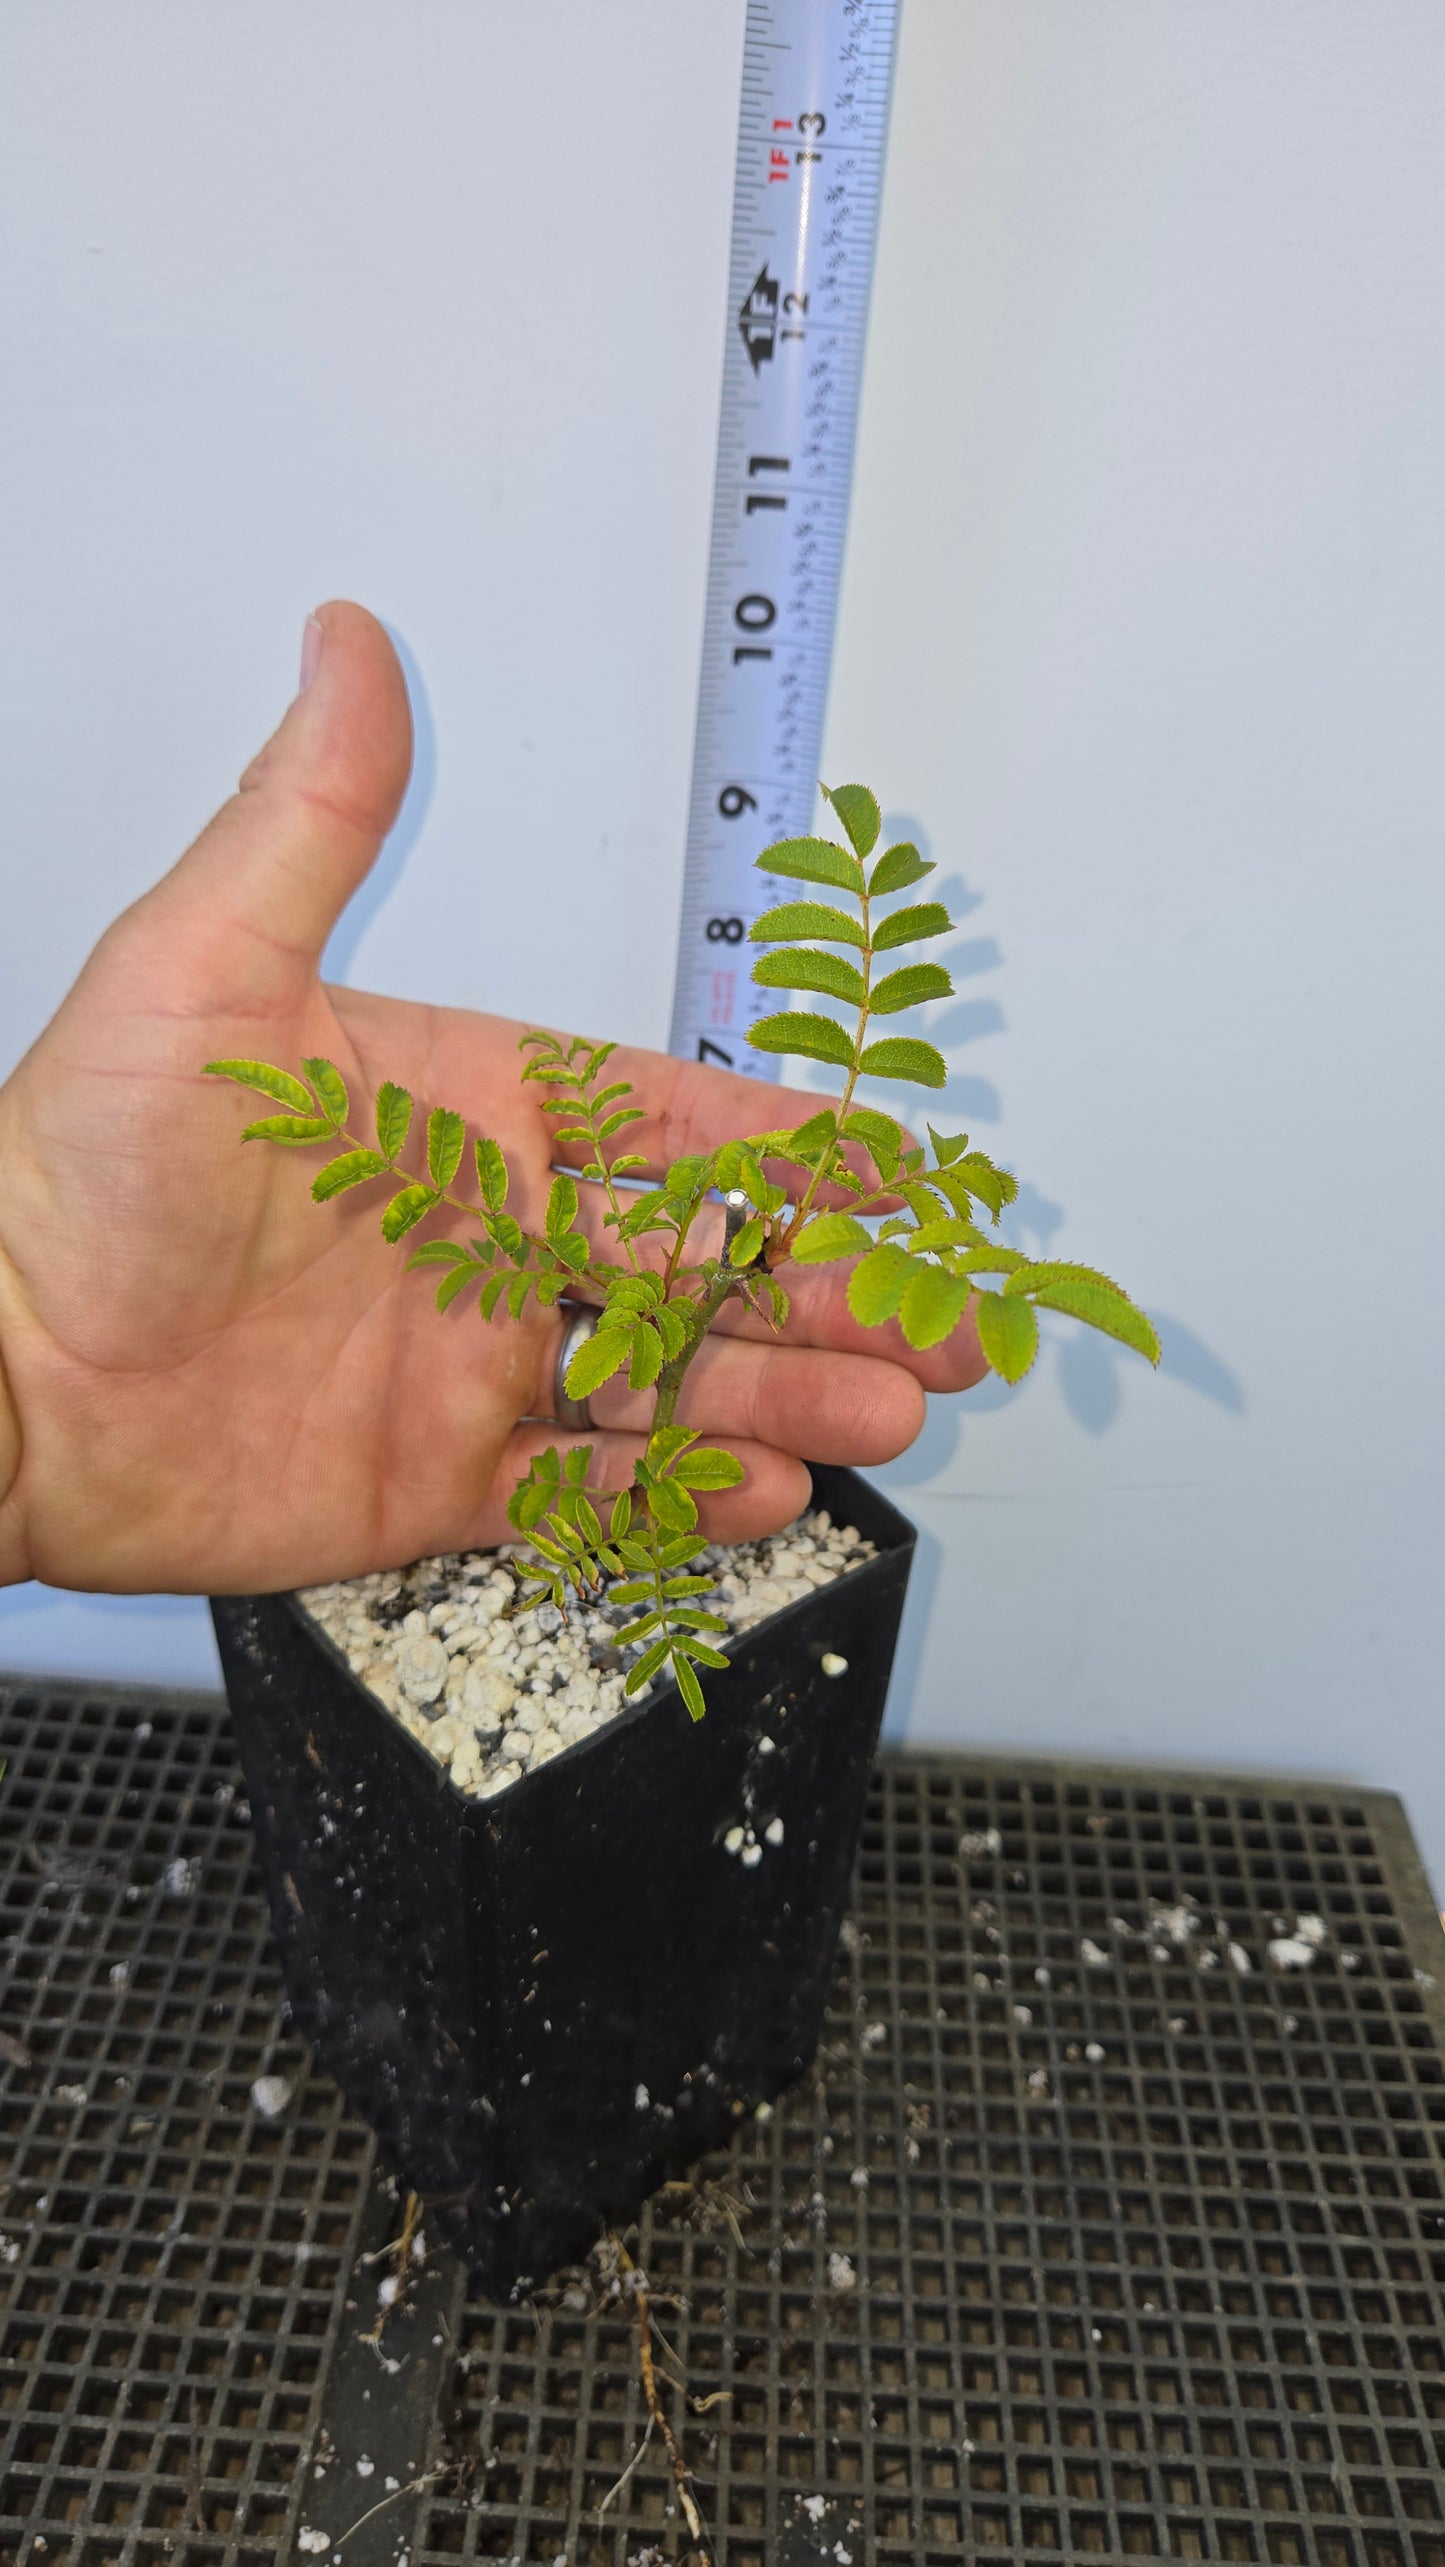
[[1300, 1948], [1172, 1924], [495, 1680], [978, 1841], [313, 2542], [180, 1878], [1240, 1960], [842, 2274], [1093, 1955], [271, 2095]]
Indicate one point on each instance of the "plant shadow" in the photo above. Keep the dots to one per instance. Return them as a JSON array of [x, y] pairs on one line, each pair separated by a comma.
[[1088, 1369]]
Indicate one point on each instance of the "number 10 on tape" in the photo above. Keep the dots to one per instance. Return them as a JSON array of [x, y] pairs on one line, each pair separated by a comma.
[[816, 81]]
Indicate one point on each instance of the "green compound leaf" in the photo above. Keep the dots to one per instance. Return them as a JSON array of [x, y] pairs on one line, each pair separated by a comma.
[[1008, 1332], [876, 1288], [904, 1057], [646, 1358], [438, 1252], [405, 1210], [671, 1506], [279, 1085], [702, 1650], [909, 988], [859, 813], [896, 868], [935, 1234], [831, 1235], [561, 1208], [491, 1175], [352, 1168], [491, 1294], [688, 1686], [946, 1150], [454, 1283], [932, 1305], [636, 1630], [393, 1118], [906, 925], [808, 969], [667, 1442], [294, 1131], [330, 1086], [707, 1466], [807, 1139], [1080, 1293], [880, 1135], [509, 1237], [533, 1495], [799, 918], [812, 860], [808, 1037], [748, 1243], [596, 1360], [446, 1138], [647, 1665], [672, 1329]]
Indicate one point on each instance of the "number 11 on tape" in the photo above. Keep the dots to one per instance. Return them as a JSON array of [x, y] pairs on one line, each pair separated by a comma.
[[816, 81]]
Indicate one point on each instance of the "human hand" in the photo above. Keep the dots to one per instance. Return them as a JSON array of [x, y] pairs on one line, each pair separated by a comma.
[[212, 1385]]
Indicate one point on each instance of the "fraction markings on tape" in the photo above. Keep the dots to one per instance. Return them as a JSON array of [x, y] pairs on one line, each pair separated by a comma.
[[816, 82]]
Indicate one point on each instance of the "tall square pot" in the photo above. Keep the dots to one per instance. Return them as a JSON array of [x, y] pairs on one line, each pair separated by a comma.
[[547, 2001]]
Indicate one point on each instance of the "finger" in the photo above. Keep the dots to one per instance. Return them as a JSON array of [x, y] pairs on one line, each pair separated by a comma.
[[688, 1107], [775, 1489], [278, 863], [818, 1313], [853, 1409]]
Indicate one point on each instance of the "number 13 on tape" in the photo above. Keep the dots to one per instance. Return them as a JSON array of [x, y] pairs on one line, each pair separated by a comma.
[[816, 81]]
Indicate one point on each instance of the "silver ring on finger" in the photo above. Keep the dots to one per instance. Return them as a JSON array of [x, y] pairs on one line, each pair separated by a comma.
[[580, 1324]]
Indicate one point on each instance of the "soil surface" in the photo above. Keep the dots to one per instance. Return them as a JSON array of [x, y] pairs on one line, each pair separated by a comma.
[[493, 1682]]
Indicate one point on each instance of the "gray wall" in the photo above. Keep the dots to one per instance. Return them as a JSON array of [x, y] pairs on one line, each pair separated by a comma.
[[1142, 630]]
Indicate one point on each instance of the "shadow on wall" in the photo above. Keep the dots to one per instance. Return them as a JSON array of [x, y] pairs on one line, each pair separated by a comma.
[[366, 904], [1088, 1369]]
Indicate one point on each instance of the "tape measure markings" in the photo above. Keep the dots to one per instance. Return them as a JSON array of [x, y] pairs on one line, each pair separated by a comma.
[[816, 82]]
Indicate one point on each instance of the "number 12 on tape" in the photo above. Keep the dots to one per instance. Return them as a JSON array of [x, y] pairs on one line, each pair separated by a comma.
[[816, 81]]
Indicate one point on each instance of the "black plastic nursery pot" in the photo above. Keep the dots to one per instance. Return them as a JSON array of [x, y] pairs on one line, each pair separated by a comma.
[[546, 2002]]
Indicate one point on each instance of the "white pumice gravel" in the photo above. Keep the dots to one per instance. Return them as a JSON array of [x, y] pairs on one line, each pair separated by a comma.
[[493, 1684]]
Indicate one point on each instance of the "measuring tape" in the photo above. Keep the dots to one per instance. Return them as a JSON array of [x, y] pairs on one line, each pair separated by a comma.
[[816, 81]]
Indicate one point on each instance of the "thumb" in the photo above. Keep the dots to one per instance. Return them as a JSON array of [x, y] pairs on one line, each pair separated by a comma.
[[285, 854]]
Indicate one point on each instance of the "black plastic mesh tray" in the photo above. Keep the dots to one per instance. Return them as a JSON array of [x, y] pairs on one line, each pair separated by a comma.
[[1081, 2239]]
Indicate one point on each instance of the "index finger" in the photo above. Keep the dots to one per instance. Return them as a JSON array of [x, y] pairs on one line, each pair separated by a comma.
[[689, 1108]]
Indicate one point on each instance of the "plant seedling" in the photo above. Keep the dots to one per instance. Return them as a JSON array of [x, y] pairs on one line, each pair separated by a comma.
[[921, 1224]]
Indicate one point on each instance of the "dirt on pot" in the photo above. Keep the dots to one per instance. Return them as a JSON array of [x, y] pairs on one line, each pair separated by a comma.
[[493, 1682]]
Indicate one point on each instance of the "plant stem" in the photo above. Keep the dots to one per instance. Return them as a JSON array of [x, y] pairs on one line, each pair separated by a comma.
[[820, 1172]]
